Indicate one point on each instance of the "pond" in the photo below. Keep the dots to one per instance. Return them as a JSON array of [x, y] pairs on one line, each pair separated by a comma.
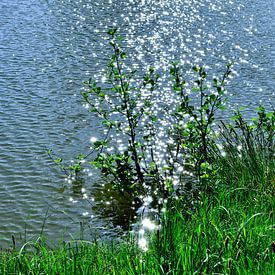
[[47, 48]]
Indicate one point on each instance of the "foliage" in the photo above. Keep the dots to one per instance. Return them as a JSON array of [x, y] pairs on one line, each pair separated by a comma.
[[124, 105], [194, 124], [193, 129], [74, 170]]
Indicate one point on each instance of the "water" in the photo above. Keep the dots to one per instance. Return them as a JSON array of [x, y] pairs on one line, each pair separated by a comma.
[[47, 48]]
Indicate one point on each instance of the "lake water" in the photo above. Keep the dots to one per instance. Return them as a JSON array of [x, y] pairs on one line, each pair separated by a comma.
[[48, 47]]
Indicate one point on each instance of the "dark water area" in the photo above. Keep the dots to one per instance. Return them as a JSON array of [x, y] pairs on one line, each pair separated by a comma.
[[47, 48]]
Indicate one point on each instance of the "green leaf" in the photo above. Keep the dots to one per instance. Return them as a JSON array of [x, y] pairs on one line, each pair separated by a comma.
[[203, 74], [219, 90], [80, 157], [58, 160], [101, 94], [195, 89], [243, 108], [123, 55], [112, 31], [153, 118], [98, 143], [151, 69]]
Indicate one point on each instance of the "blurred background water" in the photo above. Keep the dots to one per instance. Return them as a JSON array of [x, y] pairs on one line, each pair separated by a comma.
[[48, 47]]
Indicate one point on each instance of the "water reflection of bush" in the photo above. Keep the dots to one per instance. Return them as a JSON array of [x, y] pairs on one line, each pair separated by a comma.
[[119, 207]]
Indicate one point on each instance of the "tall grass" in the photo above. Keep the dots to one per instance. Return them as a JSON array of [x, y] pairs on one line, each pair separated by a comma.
[[230, 232], [249, 151]]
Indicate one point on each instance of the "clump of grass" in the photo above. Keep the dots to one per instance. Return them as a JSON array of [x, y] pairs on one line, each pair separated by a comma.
[[248, 157], [225, 235]]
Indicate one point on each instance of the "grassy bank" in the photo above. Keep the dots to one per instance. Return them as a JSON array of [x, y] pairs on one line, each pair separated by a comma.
[[230, 231]]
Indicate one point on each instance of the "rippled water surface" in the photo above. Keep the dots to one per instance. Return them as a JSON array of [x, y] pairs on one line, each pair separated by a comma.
[[47, 48]]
